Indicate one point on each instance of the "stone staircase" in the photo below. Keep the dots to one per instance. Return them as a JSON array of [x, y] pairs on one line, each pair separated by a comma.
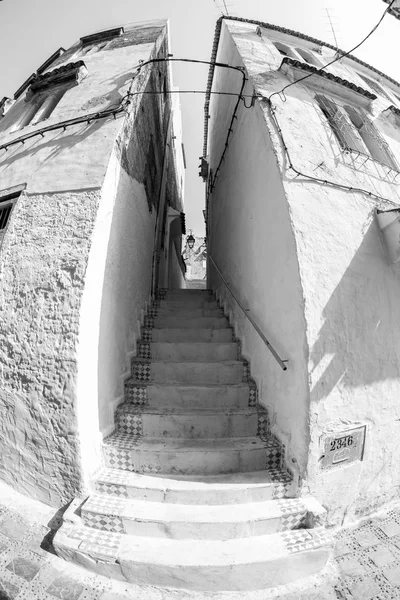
[[194, 492]]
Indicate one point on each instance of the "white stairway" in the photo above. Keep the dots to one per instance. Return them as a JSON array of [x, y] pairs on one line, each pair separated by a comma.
[[194, 492]]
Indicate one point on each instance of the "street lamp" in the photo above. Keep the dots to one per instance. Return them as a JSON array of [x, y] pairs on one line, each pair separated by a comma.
[[190, 240]]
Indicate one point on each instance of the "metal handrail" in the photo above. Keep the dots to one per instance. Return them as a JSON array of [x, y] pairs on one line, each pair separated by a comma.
[[274, 353]]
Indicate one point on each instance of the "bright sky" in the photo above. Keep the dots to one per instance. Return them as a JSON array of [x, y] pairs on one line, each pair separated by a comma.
[[31, 30]]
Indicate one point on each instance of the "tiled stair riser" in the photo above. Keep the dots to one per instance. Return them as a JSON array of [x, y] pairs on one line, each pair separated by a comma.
[[129, 455], [228, 372], [120, 486], [188, 351], [119, 516], [187, 425]]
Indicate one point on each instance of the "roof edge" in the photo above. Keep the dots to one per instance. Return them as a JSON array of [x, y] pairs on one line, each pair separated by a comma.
[[272, 28]]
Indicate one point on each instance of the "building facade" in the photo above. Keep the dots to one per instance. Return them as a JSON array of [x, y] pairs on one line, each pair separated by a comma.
[[302, 200], [92, 179]]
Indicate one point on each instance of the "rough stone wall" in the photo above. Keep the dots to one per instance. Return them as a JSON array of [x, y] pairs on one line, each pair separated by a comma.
[[43, 262], [53, 264]]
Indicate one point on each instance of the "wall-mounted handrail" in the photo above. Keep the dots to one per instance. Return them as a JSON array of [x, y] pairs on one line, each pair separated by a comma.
[[279, 360]]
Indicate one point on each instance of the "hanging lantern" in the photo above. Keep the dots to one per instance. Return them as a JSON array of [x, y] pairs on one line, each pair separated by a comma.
[[190, 241]]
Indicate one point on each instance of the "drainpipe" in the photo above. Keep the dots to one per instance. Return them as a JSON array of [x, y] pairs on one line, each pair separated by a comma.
[[161, 210]]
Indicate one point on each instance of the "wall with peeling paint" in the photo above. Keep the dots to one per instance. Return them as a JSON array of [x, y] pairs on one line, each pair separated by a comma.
[[349, 324]]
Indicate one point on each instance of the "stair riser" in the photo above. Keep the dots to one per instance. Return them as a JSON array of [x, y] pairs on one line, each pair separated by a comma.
[[205, 497], [187, 462], [191, 426], [202, 373], [206, 303], [183, 396], [192, 335], [263, 574], [189, 313], [191, 323], [195, 530], [194, 351]]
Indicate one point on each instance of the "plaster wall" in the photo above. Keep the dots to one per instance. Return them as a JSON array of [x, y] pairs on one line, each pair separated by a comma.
[[78, 239], [350, 289], [251, 241]]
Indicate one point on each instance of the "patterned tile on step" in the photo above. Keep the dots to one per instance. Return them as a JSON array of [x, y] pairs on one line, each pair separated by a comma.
[[113, 489], [263, 426], [130, 423], [161, 293], [144, 350], [110, 523], [108, 539], [98, 503], [152, 312], [300, 540], [294, 513], [141, 371], [135, 394], [274, 457], [146, 335], [252, 393], [246, 371], [149, 322]]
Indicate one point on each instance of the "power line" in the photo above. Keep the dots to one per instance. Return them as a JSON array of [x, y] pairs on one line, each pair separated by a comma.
[[337, 57]]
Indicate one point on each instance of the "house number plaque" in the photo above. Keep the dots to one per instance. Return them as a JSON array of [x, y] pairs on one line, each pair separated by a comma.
[[343, 447]]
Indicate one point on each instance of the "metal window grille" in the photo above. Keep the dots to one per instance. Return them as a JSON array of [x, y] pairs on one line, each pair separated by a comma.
[[383, 153], [356, 133], [6, 206], [344, 131]]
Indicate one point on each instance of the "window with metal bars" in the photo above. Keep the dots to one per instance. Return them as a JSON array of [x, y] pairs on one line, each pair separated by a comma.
[[7, 201], [356, 133]]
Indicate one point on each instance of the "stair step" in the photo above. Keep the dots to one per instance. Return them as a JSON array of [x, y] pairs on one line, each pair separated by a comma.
[[207, 396], [190, 457], [193, 351], [178, 322], [207, 302], [206, 565], [180, 334], [194, 423], [233, 488], [188, 521], [186, 312], [188, 372]]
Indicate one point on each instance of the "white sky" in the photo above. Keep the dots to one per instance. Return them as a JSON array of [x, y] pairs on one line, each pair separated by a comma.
[[31, 30]]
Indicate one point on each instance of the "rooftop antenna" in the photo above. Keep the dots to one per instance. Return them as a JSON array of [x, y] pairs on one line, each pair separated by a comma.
[[222, 12], [226, 8], [333, 29]]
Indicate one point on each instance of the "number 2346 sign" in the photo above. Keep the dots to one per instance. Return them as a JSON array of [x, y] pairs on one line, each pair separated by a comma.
[[342, 448]]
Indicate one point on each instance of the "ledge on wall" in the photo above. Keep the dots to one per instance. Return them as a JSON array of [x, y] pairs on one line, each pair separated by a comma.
[[326, 81]]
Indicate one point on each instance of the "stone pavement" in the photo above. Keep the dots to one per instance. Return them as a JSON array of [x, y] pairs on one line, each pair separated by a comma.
[[367, 557]]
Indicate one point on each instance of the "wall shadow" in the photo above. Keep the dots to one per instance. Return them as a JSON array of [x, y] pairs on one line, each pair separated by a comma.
[[361, 331]]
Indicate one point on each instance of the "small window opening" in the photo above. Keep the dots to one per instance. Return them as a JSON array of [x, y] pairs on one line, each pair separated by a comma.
[[39, 108], [283, 49], [308, 57], [374, 85], [7, 201], [377, 146]]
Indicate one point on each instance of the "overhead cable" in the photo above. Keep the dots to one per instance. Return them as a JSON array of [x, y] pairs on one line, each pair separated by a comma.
[[337, 57]]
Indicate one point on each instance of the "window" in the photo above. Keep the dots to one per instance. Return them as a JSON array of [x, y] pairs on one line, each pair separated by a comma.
[[374, 85], [308, 57], [98, 41], [44, 93], [283, 49], [7, 200], [39, 108], [356, 133]]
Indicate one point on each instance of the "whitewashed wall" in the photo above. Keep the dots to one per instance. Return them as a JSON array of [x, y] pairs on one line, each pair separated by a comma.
[[348, 323], [75, 269]]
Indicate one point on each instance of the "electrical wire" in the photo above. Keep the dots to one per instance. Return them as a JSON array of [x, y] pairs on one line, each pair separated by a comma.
[[337, 58], [125, 100]]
